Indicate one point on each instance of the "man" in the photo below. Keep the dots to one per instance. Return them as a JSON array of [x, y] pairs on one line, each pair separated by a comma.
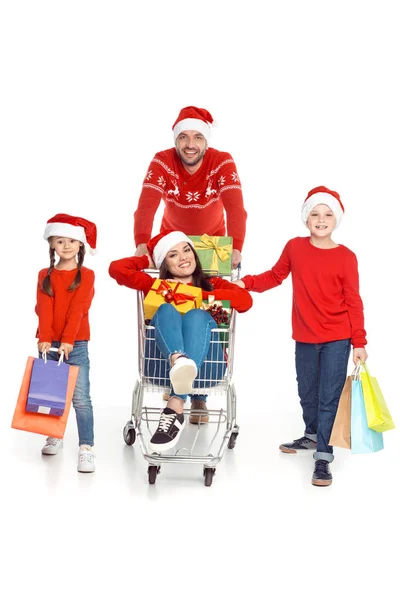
[[198, 184]]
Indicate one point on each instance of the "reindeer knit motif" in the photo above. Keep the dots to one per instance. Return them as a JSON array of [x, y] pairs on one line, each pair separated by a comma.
[[194, 204]]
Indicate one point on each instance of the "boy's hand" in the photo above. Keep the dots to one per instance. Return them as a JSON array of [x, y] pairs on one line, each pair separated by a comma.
[[359, 354], [239, 283], [66, 348], [44, 346]]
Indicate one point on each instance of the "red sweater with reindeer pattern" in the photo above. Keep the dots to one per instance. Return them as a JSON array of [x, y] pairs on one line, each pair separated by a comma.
[[194, 204]]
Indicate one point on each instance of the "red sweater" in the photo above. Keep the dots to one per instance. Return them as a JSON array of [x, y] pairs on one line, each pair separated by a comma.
[[64, 317], [326, 300], [128, 272], [194, 203]]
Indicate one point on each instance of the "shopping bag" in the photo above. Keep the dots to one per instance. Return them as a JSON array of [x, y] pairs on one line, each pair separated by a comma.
[[363, 439], [340, 435], [378, 415], [48, 387], [48, 425]]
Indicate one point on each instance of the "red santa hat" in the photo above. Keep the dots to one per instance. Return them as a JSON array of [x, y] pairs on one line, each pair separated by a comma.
[[162, 243], [192, 118], [323, 195], [77, 228]]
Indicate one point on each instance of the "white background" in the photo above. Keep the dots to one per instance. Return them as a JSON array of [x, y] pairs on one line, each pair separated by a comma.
[[305, 94]]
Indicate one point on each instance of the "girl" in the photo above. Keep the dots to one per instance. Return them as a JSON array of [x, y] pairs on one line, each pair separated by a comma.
[[183, 339], [327, 319], [64, 295]]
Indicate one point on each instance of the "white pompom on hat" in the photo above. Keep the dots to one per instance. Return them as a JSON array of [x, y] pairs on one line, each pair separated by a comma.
[[322, 195], [192, 118], [161, 244], [77, 228]]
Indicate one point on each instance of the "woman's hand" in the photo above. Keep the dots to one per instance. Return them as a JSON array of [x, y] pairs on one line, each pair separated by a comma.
[[239, 283], [66, 348], [359, 354], [44, 346]]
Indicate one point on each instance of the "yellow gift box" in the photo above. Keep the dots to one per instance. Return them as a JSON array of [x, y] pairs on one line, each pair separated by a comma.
[[183, 297]]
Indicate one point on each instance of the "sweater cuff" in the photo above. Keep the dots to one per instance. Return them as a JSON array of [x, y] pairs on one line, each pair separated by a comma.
[[248, 281], [141, 239], [237, 244]]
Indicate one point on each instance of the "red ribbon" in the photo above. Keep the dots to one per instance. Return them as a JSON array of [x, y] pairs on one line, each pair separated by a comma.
[[177, 297]]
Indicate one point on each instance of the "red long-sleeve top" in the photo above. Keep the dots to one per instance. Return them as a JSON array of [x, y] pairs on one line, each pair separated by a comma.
[[195, 203], [129, 272], [64, 317], [326, 302]]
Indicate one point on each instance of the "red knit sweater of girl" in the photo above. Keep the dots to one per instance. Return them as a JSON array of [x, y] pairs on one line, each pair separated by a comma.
[[194, 203], [326, 302], [129, 272], [64, 316]]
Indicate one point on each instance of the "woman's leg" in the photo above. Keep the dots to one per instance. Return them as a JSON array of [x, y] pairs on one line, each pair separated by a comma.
[[168, 330]]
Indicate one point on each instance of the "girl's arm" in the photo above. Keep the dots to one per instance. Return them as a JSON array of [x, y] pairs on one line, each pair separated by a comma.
[[78, 307], [240, 299], [44, 310], [128, 272], [272, 278]]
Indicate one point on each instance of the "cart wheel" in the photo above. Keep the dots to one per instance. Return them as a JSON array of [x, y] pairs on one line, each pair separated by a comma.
[[232, 440], [129, 434], [208, 475], [153, 471]]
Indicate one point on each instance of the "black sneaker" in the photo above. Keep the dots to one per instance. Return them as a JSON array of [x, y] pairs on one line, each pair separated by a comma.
[[303, 443], [168, 431], [322, 474]]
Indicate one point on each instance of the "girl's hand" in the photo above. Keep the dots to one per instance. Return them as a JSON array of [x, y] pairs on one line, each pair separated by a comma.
[[239, 283], [44, 346], [359, 354], [66, 348]]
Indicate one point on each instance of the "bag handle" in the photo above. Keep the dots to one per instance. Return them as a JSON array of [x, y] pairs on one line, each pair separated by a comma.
[[44, 354]]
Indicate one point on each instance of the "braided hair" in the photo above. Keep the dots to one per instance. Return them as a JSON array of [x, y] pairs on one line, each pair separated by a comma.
[[46, 284]]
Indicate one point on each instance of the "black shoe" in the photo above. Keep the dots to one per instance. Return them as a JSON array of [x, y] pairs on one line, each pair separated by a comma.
[[322, 474], [299, 445], [168, 431]]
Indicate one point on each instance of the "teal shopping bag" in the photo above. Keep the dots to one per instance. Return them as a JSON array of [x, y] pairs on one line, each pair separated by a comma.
[[363, 439]]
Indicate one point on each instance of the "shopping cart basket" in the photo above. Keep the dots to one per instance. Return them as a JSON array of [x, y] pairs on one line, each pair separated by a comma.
[[204, 444]]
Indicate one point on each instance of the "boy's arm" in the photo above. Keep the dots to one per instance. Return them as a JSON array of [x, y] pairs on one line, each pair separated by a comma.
[[272, 278], [354, 303]]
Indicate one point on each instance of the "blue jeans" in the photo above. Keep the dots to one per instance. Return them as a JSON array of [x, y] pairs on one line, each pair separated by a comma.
[[81, 398], [188, 334], [321, 374]]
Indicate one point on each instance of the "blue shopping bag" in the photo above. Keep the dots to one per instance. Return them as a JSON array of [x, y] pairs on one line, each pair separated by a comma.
[[363, 439], [48, 387]]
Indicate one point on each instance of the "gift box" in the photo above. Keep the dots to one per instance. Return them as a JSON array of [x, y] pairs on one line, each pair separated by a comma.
[[221, 311], [214, 252], [48, 387], [183, 297]]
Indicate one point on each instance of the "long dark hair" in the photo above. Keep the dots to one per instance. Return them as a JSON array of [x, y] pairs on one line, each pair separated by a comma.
[[200, 279], [46, 285]]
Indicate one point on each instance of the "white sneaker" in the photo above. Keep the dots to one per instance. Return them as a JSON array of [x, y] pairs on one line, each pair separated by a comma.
[[182, 375], [52, 445], [86, 460]]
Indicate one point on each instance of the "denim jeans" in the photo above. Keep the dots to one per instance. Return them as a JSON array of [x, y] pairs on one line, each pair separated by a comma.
[[188, 334], [81, 398], [321, 374]]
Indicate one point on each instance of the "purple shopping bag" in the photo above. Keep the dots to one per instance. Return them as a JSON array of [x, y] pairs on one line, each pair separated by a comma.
[[48, 387]]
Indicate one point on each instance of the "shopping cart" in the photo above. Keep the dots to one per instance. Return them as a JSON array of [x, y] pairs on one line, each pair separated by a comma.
[[204, 443]]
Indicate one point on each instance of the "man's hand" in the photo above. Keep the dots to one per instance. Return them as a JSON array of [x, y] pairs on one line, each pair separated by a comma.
[[66, 348], [44, 346], [141, 250], [236, 258], [359, 354]]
